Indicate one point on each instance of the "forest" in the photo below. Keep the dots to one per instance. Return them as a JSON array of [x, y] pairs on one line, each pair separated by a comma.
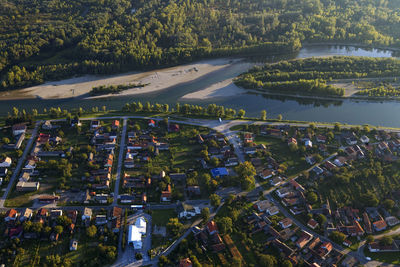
[[381, 91], [312, 75], [113, 89], [43, 40]]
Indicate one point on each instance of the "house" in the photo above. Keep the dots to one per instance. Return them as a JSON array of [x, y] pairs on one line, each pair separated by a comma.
[[392, 221], [3, 172], [364, 139], [325, 249], [219, 172], [101, 198], [18, 129], [6, 163], [31, 164], [54, 237], [285, 223], [275, 181], [125, 199], [367, 223], [47, 125], [267, 173], [75, 122], [350, 261], [248, 138], [193, 190], [292, 141], [212, 228], [115, 217], [340, 161], [173, 128], [87, 214], [187, 211], [26, 214], [115, 124], [283, 192], [318, 170], [347, 243], [231, 162], [321, 138], [178, 176], [48, 198], [95, 124], [312, 224], [11, 215], [267, 206], [27, 186], [329, 165], [25, 177], [166, 194], [310, 160], [250, 150], [308, 144], [101, 219], [379, 225], [54, 214], [73, 245], [185, 263], [304, 239]]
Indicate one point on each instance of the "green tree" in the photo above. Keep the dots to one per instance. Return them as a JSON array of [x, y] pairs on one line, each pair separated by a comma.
[[58, 229], [174, 227], [337, 237], [91, 231], [312, 198], [205, 214], [263, 115], [267, 260], [224, 225], [215, 200], [241, 113]]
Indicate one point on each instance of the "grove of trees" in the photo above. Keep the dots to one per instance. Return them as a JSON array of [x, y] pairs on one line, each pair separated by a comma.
[[54, 39]]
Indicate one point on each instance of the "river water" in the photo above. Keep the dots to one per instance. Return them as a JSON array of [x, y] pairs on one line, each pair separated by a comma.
[[378, 113]]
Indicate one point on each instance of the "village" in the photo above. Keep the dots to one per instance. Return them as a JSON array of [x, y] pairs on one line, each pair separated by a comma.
[[132, 190]]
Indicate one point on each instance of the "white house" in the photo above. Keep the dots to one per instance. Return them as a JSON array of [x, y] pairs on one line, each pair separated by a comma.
[[18, 129], [187, 211], [134, 237], [87, 214], [135, 233], [308, 143], [364, 139], [74, 245], [6, 162]]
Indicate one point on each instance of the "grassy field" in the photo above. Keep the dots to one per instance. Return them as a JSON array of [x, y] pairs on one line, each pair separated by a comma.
[[282, 154], [161, 217], [386, 257]]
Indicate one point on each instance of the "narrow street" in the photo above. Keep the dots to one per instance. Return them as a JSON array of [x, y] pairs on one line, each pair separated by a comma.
[[120, 162], [20, 164]]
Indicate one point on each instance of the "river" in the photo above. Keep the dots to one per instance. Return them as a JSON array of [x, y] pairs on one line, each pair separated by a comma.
[[378, 113]]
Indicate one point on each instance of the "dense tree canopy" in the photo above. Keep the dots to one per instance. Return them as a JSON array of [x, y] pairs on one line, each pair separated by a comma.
[[52, 39], [312, 75]]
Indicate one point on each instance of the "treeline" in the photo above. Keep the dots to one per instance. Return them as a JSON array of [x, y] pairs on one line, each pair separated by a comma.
[[56, 39], [113, 89], [381, 91], [185, 109], [312, 75]]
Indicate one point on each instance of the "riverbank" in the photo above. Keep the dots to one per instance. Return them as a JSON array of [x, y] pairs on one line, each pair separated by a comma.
[[157, 80]]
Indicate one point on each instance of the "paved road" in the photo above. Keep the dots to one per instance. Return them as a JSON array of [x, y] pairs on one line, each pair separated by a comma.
[[120, 162], [20, 164]]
